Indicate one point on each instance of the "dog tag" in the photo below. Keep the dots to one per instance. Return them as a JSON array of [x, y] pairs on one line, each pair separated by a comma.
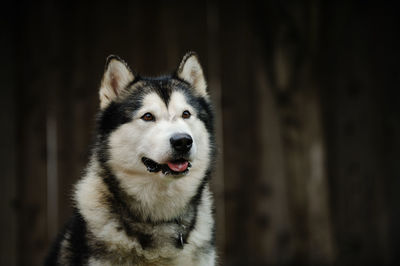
[[181, 239]]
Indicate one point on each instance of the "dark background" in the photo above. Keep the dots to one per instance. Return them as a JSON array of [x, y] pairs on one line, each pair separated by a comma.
[[307, 119]]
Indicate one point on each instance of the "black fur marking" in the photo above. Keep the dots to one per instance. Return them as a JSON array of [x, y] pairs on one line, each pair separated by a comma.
[[112, 117], [161, 86], [118, 200], [78, 240], [145, 240], [193, 206], [78, 250], [54, 252], [164, 92], [98, 249], [206, 114], [118, 206]]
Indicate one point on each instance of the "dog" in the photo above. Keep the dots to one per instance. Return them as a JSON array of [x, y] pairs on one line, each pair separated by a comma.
[[145, 196]]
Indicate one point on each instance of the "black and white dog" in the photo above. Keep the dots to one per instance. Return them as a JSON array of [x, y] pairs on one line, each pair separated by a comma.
[[145, 197]]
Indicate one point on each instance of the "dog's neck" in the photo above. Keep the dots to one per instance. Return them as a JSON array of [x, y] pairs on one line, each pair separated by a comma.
[[129, 211], [119, 221], [150, 196]]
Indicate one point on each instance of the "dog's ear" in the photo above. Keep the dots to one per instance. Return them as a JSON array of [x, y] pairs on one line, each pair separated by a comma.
[[190, 71], [116, 78]]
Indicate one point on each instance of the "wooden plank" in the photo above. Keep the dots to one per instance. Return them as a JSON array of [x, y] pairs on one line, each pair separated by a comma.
[[213, 70], [37, 80], [8, 151], [241, 143], [355, 83]]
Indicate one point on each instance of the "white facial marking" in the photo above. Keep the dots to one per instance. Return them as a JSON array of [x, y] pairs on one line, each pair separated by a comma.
[[151, 139]]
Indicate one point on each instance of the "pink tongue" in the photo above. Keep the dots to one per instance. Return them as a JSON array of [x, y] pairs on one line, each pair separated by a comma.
[[178, 166]]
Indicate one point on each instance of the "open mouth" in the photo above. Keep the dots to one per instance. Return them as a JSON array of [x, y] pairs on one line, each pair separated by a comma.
[[173, 167]]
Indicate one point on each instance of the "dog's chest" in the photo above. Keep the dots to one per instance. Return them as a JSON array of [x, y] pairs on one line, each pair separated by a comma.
[[171, 234], [148, 244]]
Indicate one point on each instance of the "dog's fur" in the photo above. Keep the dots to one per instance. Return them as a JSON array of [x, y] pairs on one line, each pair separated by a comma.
[[131, 207]]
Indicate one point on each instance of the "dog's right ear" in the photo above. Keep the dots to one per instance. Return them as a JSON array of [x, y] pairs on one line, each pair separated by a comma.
[[116, 78]]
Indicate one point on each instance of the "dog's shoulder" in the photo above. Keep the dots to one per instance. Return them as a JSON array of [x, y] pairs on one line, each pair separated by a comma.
[[70, 247]]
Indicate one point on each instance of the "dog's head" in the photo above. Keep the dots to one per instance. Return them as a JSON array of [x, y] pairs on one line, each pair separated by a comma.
[[155, 126]]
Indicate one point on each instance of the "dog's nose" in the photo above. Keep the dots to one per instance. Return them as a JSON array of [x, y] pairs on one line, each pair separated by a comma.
[[181, 142]]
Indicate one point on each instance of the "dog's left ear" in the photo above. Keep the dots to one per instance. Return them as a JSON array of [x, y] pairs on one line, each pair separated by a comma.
[[116, 78], [190, 71]]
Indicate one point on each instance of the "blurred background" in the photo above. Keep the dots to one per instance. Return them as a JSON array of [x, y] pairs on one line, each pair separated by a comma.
[[307, 119]]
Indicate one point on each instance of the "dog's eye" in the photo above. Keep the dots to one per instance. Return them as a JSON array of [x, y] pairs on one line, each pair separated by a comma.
[[186, 114], [148, 117]]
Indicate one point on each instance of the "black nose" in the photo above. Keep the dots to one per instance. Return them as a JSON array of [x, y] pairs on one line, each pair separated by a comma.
[[181, 142]]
